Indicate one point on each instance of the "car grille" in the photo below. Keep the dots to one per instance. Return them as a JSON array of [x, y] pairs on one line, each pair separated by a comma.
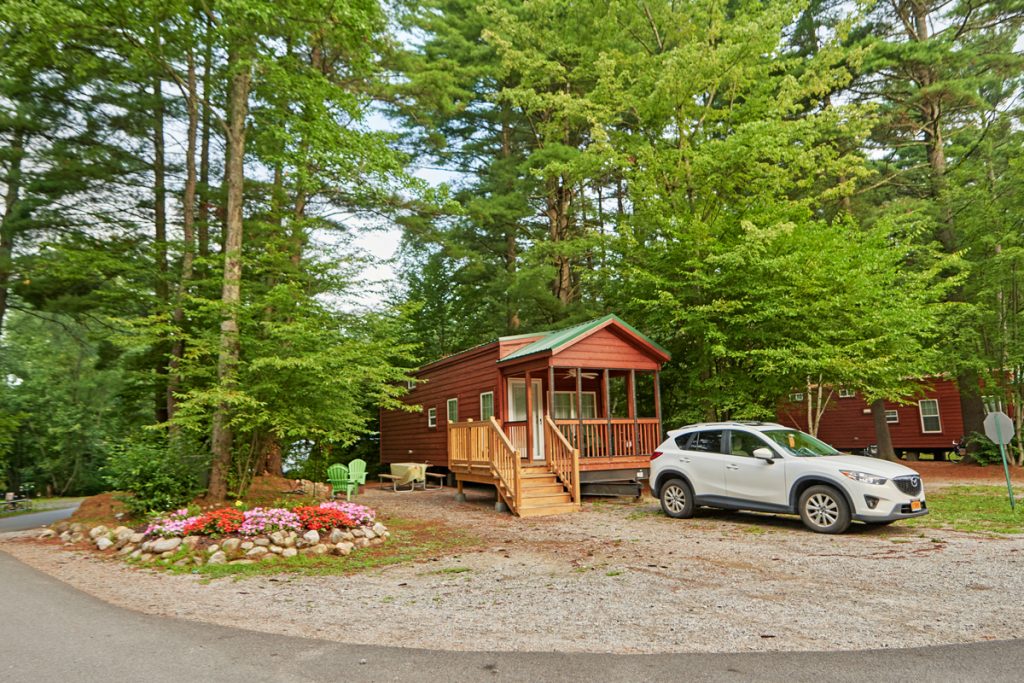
[[910, 485]]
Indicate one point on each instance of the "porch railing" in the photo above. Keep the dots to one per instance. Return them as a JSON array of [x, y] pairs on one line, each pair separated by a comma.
[[482, 445], [611, 438], [517, 436], [562, 458]]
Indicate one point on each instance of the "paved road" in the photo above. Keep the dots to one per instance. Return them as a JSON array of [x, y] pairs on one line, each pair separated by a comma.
[[53, 632], [35, 519]]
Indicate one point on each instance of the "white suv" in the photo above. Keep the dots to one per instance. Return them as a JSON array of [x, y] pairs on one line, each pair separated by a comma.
[[767, 467]]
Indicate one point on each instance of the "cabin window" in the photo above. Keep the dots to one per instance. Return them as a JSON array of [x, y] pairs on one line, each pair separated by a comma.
[[796, 397], [517, 400], [410, 385], [565, 405], [892, 417], [487, 405], [930, 423], [846, 393], [453, 410], [432, 417]]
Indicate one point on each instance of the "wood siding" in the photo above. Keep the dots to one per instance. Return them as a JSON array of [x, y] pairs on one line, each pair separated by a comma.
[[606, 348], [847, 423], [405, 437]]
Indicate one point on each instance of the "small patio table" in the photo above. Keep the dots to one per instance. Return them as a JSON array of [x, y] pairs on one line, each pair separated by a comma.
[[406, 474]]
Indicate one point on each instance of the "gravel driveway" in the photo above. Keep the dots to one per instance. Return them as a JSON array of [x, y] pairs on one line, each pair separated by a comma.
[[617, 577]]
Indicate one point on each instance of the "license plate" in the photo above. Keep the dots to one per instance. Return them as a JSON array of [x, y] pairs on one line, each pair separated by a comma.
[[915, 505]]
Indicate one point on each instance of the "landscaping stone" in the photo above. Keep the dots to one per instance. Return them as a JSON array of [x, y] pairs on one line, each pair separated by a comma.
[[61, 527], [369, 534], [137, 538], [212, 549], [165, 545], [77, 537], [123, 532], [65, 536], [379, 529], [257, 552], [48, 533], [289, 552], [135, 554], [289, 541], [358, 532], [311, 537], [343, 548], [183, 562], [347, 536], [146, 557], [102, 543], [167, 555], [261, 540], [247, 545], [277, 538], [337, 536], [127, 550], [362, 542], [191, 542], [242, 562], [219, 557], [77, 528], [318, 549], [98, 531], [231, 546], [376, 541], [276, 549]]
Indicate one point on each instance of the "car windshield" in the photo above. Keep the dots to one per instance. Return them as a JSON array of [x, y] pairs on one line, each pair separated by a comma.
[[799, 444]]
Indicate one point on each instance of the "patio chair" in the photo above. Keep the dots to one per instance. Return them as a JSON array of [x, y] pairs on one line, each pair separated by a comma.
[[337, 476], [357, 473]]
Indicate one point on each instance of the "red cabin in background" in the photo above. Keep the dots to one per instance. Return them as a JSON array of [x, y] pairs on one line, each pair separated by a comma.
[[929, 425]]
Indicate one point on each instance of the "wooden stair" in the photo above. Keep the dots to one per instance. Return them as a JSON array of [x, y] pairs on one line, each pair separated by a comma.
[[541, 493]]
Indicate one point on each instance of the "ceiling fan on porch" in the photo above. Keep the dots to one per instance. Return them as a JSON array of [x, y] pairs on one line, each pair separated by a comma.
[[571, 372]]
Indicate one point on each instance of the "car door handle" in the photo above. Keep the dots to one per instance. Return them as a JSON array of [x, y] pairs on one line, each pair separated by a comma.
[[732, 467], [684, 460]]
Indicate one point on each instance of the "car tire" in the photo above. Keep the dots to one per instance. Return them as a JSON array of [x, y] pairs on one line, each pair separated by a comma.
[[824, 509], [677, 499]]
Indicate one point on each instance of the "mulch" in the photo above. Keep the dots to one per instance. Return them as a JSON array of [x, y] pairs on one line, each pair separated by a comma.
[[957, 473]]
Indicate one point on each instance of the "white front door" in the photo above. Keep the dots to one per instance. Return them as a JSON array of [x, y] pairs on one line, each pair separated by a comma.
[[517, 412], [538, 419]]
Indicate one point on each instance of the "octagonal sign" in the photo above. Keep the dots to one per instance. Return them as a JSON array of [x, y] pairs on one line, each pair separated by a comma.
[[999, 428]]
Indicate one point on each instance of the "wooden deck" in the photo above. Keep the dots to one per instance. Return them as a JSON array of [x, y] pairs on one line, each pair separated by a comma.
[[481, 452]]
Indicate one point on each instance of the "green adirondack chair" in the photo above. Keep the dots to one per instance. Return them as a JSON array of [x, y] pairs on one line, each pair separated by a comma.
[[357, 473], [337, 475]]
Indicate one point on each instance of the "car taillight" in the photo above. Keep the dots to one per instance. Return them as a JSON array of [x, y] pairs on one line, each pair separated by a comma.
[[654, 455]]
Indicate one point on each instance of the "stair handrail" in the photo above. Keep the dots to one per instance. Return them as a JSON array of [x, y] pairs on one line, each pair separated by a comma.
[[562, 458], [505, 463]]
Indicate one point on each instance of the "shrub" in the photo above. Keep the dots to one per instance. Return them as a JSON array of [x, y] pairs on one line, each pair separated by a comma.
[[318, 518], [986, 451], [264, 521], [154, 477]]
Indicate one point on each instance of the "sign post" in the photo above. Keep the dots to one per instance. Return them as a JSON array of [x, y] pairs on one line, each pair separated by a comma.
[[999, 428]]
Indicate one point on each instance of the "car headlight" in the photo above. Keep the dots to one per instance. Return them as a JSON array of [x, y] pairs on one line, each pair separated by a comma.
[[864, 477]]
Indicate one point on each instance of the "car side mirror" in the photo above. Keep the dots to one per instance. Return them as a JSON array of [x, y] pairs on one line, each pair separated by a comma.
[[764, 454]]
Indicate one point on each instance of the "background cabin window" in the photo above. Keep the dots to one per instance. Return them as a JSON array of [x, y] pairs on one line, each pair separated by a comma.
[[565, 405], [453, 410], [487, 405], [432, 417], [930, 422], [410, 385], [796, 397], [517, 404], [892, 417], [846, 393]]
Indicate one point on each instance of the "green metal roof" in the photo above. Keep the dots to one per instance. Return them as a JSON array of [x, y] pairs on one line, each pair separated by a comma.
[[557, 338]]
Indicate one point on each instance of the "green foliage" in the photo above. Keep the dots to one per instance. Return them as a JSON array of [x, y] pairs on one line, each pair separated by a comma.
[[984, 451], [971, 509], [155, 477]]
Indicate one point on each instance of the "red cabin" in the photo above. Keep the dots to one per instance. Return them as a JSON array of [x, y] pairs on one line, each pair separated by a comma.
[[540, 416], [931, 424]]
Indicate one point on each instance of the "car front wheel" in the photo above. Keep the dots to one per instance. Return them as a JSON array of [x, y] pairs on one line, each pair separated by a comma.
[[677, 499], [824, 510]]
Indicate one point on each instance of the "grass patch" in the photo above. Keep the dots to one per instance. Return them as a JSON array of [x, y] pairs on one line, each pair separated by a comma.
[[452, 570], [971, 508], [614, 572], [411, 541]]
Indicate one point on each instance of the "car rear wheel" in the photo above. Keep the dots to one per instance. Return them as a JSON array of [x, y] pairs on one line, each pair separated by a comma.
[[677, 499], [824, 510]]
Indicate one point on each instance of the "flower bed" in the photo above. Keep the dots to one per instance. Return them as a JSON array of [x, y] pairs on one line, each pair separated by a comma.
[[236, 536]]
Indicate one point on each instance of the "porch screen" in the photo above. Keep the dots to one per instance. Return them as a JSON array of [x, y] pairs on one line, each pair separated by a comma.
[[565, 405], [517, 392]]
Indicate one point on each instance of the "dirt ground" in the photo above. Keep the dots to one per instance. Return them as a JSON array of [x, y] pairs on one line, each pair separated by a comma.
[[616, 577]]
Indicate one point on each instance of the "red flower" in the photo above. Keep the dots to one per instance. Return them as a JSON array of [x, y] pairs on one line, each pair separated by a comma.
[[215, 522], [317, 518]]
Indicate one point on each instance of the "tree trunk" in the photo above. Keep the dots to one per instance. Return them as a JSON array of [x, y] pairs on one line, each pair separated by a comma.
[[188, 203], [972, 408], [882, 435], [227, 363], [12, 197], [558, 202], [204, 153], [160, 240]]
